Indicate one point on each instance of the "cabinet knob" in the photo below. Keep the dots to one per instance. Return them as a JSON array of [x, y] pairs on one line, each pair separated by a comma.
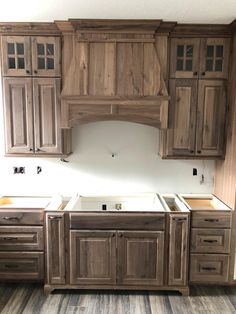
[[199, 151], [38, 149], [203, 73], [191, 151], [28, 71], [195, 73], [31, 149], [113, 235], [120, 235], [35, 71]]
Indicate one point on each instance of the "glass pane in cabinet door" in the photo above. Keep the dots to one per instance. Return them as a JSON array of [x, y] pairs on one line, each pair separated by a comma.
[[50, 49], [41, 63], [210, 51], [21, 63], [209, 65], [40, 49], [189, 65], [11, 63], [20, 48], [219, 51], [10, 48], [219, 65], [50, 63], [180, 65], [189, 51], [180, 51]]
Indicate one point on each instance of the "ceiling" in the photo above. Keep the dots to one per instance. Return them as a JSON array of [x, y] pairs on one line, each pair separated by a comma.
[[183, 11]]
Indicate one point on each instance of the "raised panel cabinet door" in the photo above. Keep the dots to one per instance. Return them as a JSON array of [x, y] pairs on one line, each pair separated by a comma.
[[46, 56], [18, 115], [55, 248], [48, 134], [92, 257], [182, 118], [214, 58], [211, 118], [178, 250], [141, 258], [184, 57], [16, 56]]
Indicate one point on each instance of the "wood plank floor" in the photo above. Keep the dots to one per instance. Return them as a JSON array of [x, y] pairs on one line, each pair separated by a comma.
[[29, 298]]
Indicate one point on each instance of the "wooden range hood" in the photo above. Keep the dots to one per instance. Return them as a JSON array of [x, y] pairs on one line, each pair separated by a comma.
[[112, 71]]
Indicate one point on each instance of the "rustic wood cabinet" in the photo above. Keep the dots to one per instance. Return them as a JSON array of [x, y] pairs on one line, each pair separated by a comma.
[[55, 246], [196, 119], [199, 58], [178, 249], [31, 56], [32, 116], [140, 258]]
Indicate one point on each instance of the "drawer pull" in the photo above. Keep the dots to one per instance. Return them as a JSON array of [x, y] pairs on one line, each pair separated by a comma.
[[11, 218], [211, 220], [11, 266], [210, 241], [208, 268], [180, 219], [54, 217], [10, 238]]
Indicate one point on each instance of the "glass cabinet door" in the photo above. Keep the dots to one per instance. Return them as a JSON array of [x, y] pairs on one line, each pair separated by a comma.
[[214, 57], [16, 56], [184, 57], [46, 56]]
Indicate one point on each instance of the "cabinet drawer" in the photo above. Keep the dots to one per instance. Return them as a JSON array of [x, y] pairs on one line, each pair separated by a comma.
[[21, 238], [210, 240], [21, 266], [117, 221], [211, 220], [21, 217], [209, 268]]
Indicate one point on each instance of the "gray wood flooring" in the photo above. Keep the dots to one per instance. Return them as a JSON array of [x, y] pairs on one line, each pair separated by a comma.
[[29, 298]]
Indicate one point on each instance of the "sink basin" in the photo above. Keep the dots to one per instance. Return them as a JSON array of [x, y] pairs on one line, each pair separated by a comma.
[[114, 203], [23, 202]]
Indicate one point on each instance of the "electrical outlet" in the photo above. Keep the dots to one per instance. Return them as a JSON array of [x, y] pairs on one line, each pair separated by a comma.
[[194, 171], [39, 169], [17, 170]]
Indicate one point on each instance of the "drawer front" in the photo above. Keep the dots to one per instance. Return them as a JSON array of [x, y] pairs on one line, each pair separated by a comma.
[[209, 268], [210, 240], [21, 217], [117, 221], [21, 238], [21, 266], [211, 220]]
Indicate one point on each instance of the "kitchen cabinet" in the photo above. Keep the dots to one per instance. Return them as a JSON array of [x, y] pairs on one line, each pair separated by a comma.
[[199, 58], [140, 257], [92, 257], [196, 119], [31, 56], [178, 249], [55, 246], [32, 116]]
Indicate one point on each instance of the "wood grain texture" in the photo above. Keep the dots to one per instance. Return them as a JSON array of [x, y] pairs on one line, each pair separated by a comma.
[[29, 298]]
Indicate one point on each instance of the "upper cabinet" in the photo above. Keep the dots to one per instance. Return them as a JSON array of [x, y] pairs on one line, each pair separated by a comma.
[[31, 56], [199, 58]]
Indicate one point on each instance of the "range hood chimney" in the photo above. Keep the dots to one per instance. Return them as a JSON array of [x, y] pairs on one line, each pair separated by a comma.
[[112, 72]]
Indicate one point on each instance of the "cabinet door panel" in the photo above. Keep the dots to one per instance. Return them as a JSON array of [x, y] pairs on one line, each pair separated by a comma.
[[140, 257], [92, 257], [55, 243], [214, 59], [178, 250], [184, 57], [46, 56], [211, 118], [18, 115], [182, 118], [16, 56], [48, 138]]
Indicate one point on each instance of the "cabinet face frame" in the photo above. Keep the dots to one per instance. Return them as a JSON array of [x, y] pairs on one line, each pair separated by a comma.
[[55, 248], [26, 55], [18, 94], [178, 251], [140, 239], [86, 245], [46, 55]]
